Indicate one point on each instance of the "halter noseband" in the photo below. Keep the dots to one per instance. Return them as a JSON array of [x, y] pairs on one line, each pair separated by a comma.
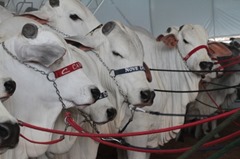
[[114, 73], [194, 51], [68, 69]]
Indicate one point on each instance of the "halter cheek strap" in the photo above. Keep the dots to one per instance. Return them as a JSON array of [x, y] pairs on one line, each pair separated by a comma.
[[194, 51], [68, 69], [114, 73]]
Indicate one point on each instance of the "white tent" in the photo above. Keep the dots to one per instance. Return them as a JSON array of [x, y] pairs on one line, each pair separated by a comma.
[[219, 17]]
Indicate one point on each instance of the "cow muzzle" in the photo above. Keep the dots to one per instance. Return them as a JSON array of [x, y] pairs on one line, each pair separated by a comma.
[[206, 65], [147, 97], [9, 135], [95, 93], [10, 86]]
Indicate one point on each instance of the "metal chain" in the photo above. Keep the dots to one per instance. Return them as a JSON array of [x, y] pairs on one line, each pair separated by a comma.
[[113, 77], [89, 121], [37, 70], [58, 31]]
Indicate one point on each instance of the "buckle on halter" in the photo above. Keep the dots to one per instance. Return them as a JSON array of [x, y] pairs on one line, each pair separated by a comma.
[[51, 76], [112, 73]]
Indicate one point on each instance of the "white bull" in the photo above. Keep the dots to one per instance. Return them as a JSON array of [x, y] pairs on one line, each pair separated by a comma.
[[207, 102], [9, 128], [68, 18], [157, 55], [124, 51], [75, 15], [31, 57]]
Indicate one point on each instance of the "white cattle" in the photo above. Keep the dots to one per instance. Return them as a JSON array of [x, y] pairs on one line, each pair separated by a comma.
[[9, 128], [157, 55], [124, 53], [118, 61], [68, 18], [33, 57], [207, 102]]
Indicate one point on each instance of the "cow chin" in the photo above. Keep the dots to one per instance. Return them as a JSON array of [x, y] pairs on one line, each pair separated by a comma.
[[143, 104], [70, 104], [140, 105], [3, 150]]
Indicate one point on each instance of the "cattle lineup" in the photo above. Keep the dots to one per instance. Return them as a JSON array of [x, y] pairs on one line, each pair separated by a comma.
[[70, 83]]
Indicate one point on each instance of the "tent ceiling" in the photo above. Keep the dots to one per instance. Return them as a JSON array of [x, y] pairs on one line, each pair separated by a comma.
[[219, 17]]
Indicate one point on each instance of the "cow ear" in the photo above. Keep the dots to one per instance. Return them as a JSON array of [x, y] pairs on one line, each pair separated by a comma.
[[43, 13], [88, 40], [217, 49], [43, 16], [45, 55], [170, 40], [147, 72]]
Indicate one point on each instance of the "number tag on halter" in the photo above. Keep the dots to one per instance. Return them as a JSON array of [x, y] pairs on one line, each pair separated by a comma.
[[114, 73], [68, 69]]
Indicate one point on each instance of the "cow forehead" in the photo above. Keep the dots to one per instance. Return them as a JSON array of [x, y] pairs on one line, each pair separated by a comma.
[[72, 7], [195, 33], [125, 39]]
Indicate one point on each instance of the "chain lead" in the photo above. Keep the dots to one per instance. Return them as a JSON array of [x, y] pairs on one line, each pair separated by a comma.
[[58, 31], [113, 77], [37, 70]]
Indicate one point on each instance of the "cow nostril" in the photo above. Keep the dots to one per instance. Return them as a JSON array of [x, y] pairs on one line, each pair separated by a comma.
[[111, 113], [145, 95], [95, 93], [4, 132], [9, 134], [206, 65], [10, 86]]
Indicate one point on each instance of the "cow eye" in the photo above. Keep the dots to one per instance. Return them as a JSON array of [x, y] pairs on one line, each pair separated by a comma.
[[117, 54], [185, 41], [75, 17]]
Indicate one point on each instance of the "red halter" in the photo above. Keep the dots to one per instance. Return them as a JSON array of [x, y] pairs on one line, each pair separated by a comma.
[[68, 69], [194, 51]]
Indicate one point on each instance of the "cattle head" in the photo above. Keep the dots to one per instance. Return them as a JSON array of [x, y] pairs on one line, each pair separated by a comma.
[[192, 46], [51, 54], [121, 51], [69, 18], [102, 111], [48, 75], [9, 128]]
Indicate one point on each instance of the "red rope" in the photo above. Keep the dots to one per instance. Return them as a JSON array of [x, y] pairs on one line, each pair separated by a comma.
[[214, 102], [130, 133], [231, 64], [169, 151], [94, 136], [43, 143], [221, 62], [227, 60]]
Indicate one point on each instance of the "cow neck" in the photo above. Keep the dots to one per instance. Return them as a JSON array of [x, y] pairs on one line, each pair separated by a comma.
[[174, 81]]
